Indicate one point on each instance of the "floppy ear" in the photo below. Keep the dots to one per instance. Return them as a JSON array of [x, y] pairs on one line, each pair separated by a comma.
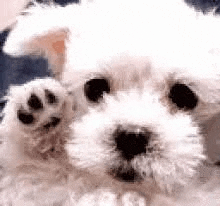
[[40, 31]]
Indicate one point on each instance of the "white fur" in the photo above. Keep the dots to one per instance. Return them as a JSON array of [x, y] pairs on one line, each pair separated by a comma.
[[179, 141], [142, 47]]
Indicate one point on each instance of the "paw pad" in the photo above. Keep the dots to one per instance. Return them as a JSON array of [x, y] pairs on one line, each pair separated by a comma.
[[53, 123], [51, 98], [25, 117], [34, 102], [41, 105]]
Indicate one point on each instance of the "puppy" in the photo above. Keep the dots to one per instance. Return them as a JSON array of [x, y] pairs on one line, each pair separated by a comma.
[[121, 121]]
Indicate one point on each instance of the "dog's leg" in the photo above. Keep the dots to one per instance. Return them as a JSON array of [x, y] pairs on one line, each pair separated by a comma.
[[35, 128], [36, 120]]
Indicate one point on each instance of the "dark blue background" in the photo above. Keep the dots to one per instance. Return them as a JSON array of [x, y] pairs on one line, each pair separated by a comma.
[[19, 70]]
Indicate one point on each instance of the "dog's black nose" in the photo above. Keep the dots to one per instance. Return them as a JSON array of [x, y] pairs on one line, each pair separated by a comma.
[[131, 141]]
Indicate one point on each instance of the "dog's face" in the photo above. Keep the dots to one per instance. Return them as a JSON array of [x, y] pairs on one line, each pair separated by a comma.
[[137, 116], [137, 125]]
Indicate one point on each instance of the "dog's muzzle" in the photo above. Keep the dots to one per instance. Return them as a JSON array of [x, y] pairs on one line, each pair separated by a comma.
[[127, 174], [131, 141]]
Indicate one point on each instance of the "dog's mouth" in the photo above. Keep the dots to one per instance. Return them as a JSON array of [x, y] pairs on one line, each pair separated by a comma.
[[127, 175]]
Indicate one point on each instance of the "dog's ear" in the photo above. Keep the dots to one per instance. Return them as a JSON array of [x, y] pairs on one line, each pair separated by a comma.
[[52, 46], [39, 32]]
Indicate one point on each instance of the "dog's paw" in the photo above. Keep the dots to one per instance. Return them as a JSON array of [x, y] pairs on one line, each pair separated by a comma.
[[37, 106]]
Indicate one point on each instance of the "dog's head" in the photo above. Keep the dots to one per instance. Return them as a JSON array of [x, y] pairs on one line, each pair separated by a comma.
[[143, 77]]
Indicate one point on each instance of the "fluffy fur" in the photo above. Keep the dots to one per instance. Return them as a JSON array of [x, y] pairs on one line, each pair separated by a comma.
[[60, 147]]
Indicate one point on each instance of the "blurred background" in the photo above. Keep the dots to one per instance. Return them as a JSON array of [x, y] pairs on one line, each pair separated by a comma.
[[20, 70]]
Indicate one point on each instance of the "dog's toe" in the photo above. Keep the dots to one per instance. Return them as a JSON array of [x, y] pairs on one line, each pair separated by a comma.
[[24, 117], [34, 102], [50, 96]]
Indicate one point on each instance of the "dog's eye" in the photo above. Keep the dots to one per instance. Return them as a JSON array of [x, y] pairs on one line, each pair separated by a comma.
[[95, 88], [183, 96]]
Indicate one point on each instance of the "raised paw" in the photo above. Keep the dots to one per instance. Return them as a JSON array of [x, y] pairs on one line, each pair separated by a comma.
[[38, 106]]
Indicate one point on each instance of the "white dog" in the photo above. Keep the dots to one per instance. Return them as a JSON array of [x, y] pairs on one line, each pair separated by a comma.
[[121, 121]]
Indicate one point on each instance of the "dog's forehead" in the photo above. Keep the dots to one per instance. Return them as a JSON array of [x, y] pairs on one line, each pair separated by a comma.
[[171, 36], [131, 70], [122, 72], [106, 41]]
